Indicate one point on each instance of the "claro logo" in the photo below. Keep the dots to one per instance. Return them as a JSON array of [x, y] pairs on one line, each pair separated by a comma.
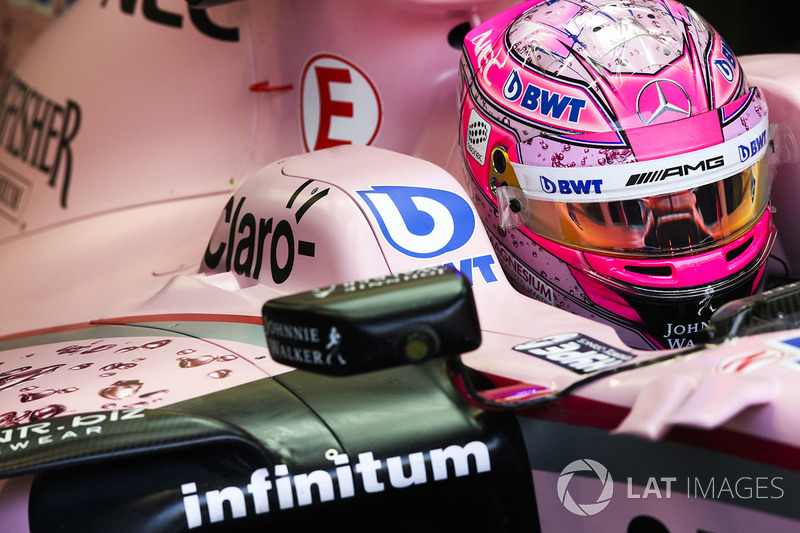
[[339, 104], [254, 242]]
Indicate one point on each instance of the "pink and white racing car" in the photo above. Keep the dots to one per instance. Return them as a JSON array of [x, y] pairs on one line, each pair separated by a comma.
[[248, 284]]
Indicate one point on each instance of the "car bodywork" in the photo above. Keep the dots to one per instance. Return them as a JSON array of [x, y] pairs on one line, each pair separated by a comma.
[[158, 406]]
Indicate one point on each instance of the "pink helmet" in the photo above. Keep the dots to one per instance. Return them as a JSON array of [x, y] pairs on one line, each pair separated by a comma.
[[618, 160]]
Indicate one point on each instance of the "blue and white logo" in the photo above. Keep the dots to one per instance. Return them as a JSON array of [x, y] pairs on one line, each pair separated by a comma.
[[727, 66], [725, 69], [571, 186], [547, 185], [755, 146], [544, 101], [512, 88], [421, 222]]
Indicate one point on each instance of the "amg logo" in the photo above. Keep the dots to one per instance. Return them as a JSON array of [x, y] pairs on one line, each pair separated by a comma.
[[680, 170]]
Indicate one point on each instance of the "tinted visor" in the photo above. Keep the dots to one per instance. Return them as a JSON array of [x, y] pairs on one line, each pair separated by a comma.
[[683, 222]]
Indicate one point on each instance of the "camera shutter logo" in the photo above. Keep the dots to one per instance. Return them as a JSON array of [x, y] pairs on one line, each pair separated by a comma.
[[585, 509], [477, 137]]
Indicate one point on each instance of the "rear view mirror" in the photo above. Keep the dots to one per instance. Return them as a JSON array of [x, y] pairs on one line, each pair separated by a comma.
[[773, 310], [366, 325], [400, 319]]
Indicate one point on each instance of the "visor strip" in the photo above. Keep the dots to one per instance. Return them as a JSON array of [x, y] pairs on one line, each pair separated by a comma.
[[646, 178]]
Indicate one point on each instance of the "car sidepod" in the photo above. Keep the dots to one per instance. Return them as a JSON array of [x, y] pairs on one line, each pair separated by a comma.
[[394, 449]]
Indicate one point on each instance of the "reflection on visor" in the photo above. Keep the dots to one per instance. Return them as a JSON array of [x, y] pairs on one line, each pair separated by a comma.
[[676, 223]]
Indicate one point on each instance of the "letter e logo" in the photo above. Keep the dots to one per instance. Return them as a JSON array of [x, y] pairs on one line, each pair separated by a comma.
[[339, 104]]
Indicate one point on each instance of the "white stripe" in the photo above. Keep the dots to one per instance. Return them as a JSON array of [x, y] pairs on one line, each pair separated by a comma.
[[646, 178]]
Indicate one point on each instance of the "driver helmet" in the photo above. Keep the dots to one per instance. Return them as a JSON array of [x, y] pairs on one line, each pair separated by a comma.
[[618, 159]]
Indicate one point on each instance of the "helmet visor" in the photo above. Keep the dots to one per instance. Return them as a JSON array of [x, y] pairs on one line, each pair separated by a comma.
[[675, 223]]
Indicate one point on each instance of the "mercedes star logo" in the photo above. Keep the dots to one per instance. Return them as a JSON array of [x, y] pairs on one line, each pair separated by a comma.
[[662, 101]]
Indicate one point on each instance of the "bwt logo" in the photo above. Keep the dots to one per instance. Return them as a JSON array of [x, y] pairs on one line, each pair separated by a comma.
[[570, 186], [421, 222], [547, 103], [727, 66], [755, 146], [339, 104]]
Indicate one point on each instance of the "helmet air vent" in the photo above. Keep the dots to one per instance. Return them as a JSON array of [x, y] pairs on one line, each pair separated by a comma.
[[736, 252], [663, 270]]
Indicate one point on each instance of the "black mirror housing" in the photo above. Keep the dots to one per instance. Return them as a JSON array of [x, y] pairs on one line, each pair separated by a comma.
[[409, 317]]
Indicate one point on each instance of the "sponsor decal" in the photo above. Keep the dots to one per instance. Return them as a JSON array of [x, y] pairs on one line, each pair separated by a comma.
[[754, 147], [571, 186], [522, 277], [198, 17], [276, 489], [792, 342], [14, 194], [547, 103], [322, 350], [662, 101], [725, 69], [706, 306], [746, 363], [250, 238], [680, 334], [576, 352], [482, 48], [663, 487], [39, 131], [339, 104], [25, 437], [676, 334], [478, 131], [726, 66], [350, 287], [421, 222], [679, 170], [481, 264], [512, 88]]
